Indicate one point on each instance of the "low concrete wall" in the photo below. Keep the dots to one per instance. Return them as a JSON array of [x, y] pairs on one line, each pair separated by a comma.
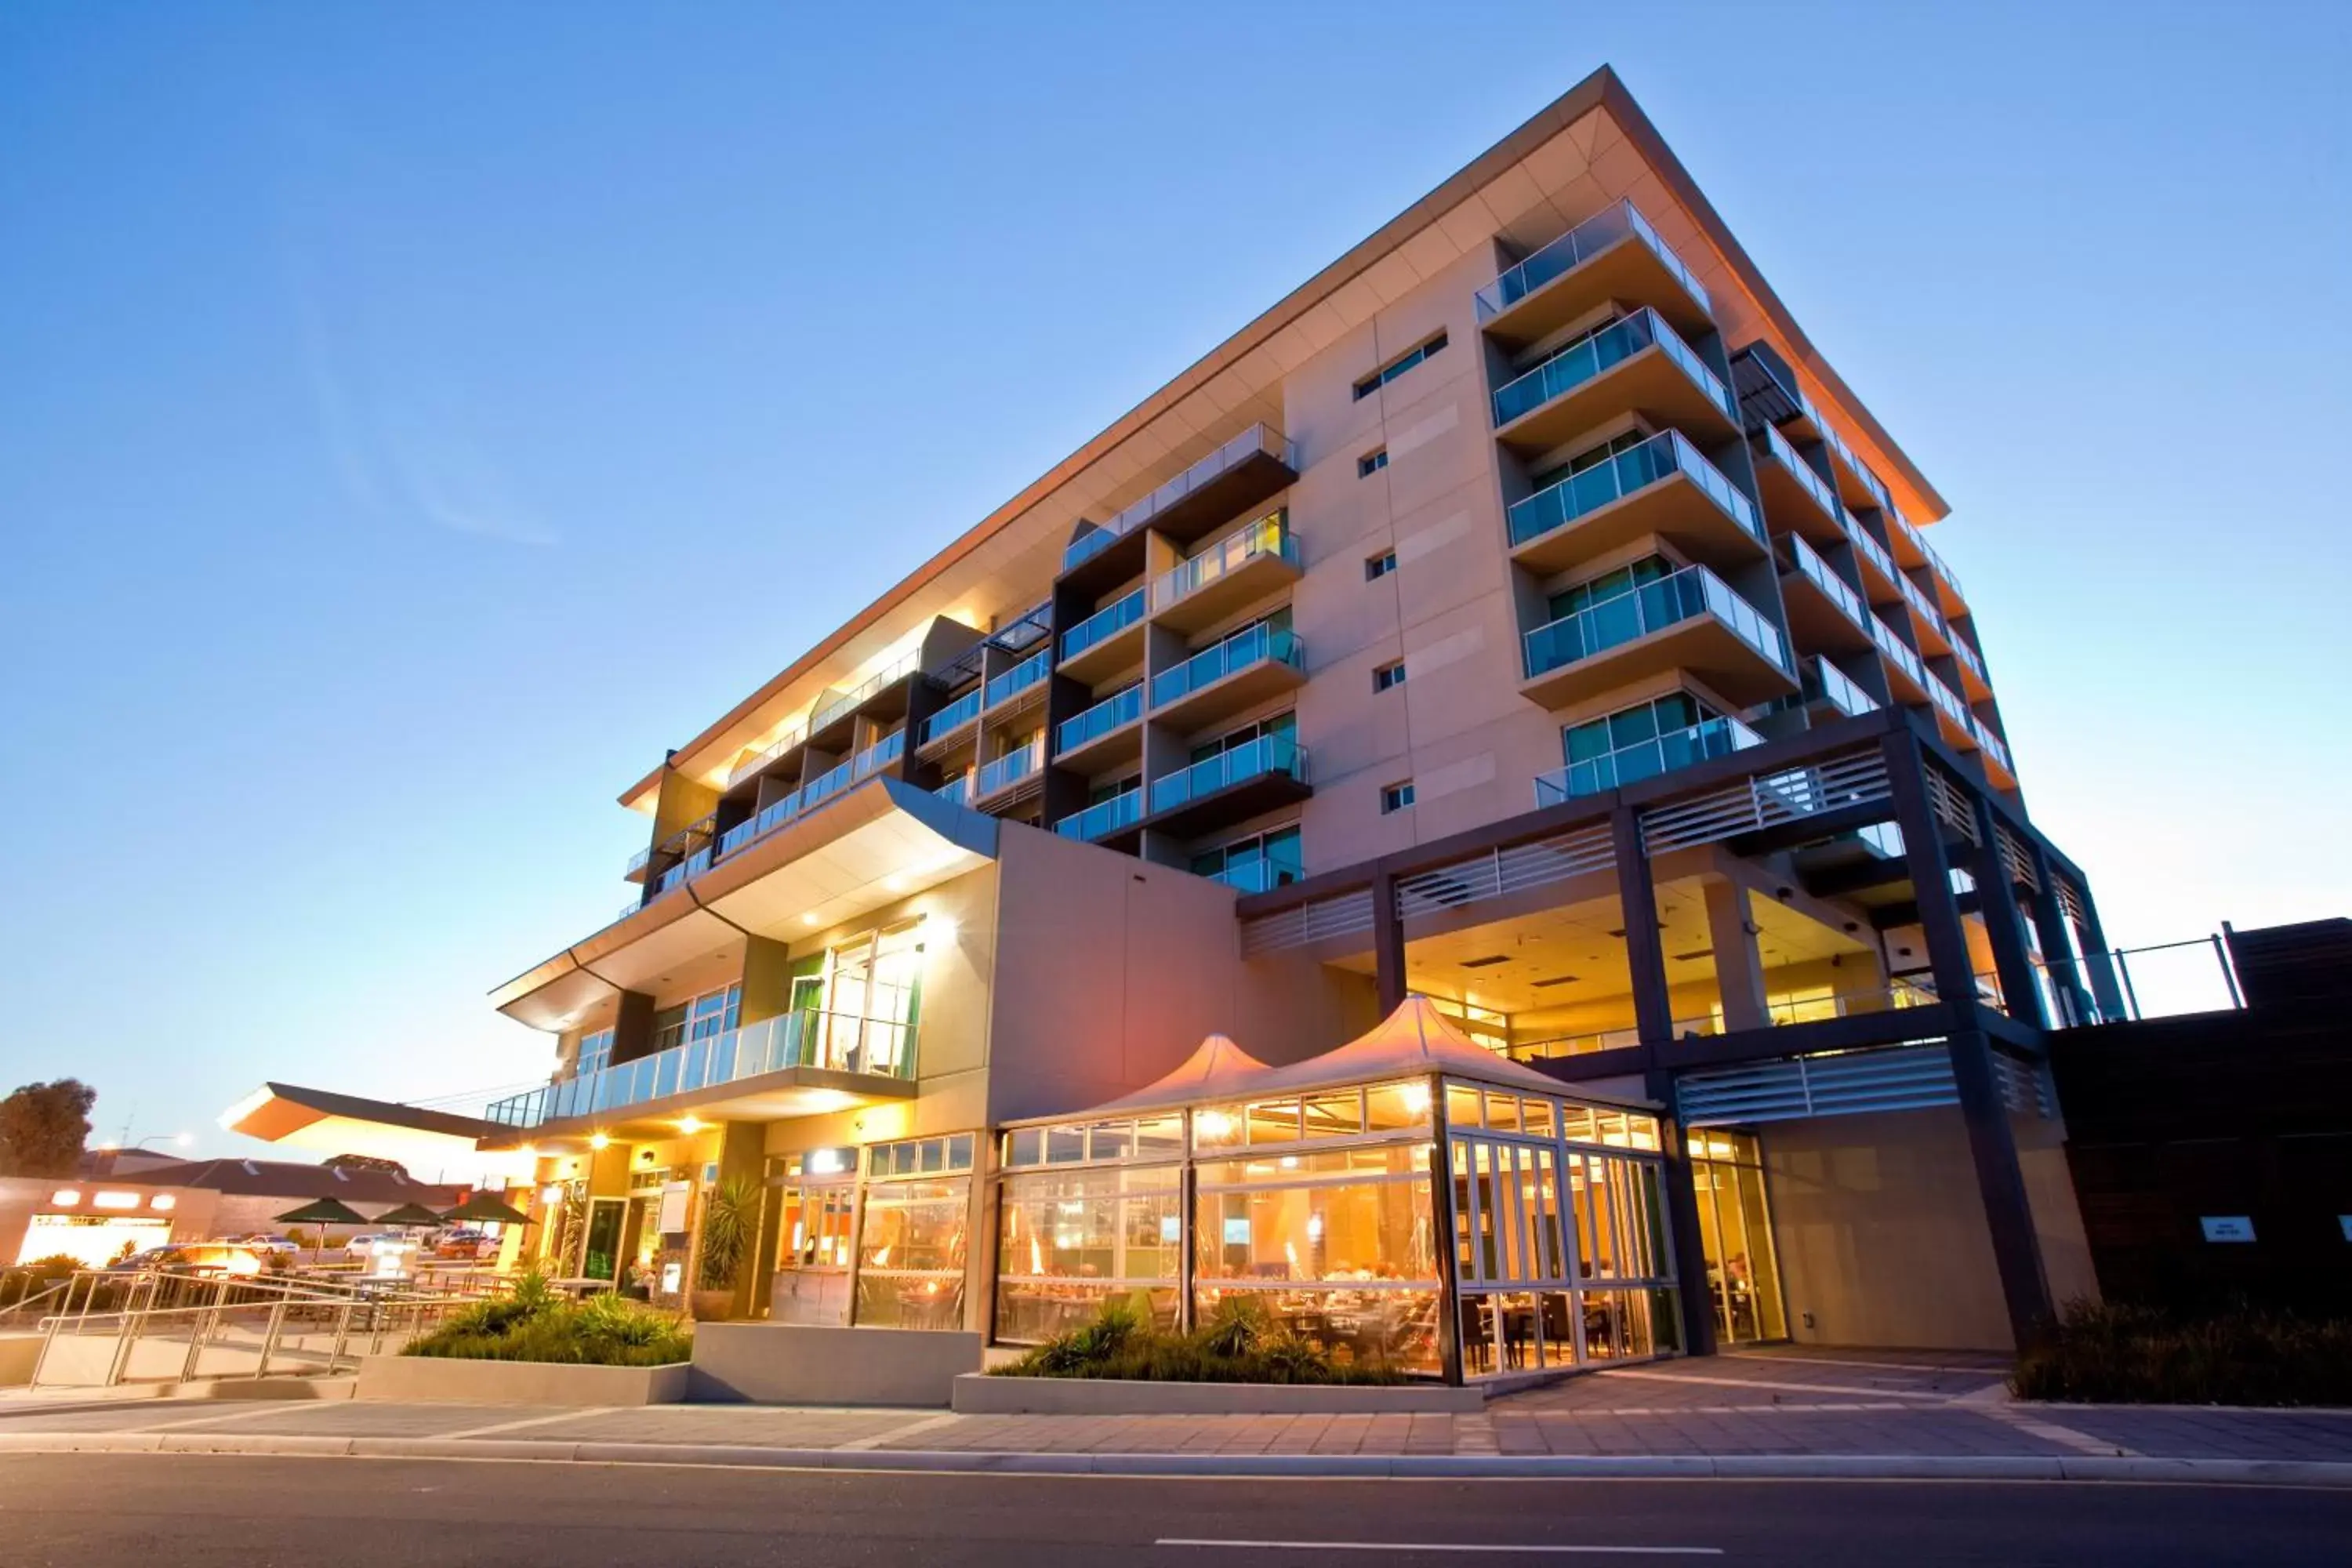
[[19, 1353], [442, 1380], [977, 1393], [796, 1363]]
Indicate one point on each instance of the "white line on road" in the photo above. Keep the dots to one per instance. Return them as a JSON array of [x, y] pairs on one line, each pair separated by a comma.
[[570, 1414], [1442, 1546]]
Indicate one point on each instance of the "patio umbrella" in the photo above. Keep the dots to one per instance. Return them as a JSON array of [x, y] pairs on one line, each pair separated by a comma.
[[408, 1215], [488, 1207], [322, 1212]]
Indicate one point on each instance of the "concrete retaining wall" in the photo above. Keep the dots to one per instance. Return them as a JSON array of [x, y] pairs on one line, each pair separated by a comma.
[[977, 1393], [19, 1353], [440, 1380], [796, 1363]]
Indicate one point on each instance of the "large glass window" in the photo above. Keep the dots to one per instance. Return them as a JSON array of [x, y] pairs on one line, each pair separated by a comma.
[[595, 1052], [1071, 1240], [699, 1018], [910, 1254], [874, 988], [1743, 1274]]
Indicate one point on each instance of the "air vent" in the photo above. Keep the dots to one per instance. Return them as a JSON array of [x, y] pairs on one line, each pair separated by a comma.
[[1694, 953], [1491, 957], [1555, 980]]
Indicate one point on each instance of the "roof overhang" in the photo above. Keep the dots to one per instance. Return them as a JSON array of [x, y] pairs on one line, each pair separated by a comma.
[[330, 1123], [768, 1097], [882, 842]]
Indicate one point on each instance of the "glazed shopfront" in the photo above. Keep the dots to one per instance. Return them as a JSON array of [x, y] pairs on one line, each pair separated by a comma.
[[1322, 1190]]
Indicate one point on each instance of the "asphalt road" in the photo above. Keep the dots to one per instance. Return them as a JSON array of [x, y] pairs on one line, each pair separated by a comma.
[[94, 1511]]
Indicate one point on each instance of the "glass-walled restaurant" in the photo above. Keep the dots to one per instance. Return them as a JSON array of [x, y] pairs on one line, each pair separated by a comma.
[[1409, 1199]]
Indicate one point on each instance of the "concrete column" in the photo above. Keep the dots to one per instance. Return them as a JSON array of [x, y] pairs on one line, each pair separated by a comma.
[[2004, 925], [1688, 1241], [632, 1027], [1645, 958], [767, 979], [1449, 1285], [1739, 967], [1388, 943]]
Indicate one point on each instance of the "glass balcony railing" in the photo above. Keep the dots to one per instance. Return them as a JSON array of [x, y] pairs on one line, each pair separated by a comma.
[[1103, 625], [1262, 875], [1990, 743], [685, 871], [1826, 682], [1259, 643], [1717, 737], [1633, 469], [745, 769], [753, 828], [1086, 546], [1009, 769], [1111, 713], [957, 789], [1921, 606], [1608, 347], [1268, 536], [1947, 703], [1252, 759], [857, 696], [839, 1042], [1845, 454], [1818, 573], [1017, 680], [1867, 547], [1897, 649], [1653, 607], [953, 717], [1802, 472], [1578, 246], [1102, 818], [1969, 659]]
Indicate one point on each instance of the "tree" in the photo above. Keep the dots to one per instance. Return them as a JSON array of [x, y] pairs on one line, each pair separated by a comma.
[[43, 1127], [363, 1163]]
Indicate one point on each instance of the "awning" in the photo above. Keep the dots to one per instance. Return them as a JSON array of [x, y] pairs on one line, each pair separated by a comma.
[[419, 1139], [1217, 1070]]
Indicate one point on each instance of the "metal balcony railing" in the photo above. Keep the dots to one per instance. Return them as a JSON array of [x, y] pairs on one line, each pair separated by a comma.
[[1252, 759], [1718, 737], [1601, 351], [1253, 645], [1270, 535], [1104, 816], [1635, 468], [1578, 246], [1651, 606], [1113, 712], [1103, 625], [1009, 769], [1017, 680]]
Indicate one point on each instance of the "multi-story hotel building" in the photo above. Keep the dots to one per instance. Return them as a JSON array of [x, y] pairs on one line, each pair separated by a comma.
[[1522, 614]]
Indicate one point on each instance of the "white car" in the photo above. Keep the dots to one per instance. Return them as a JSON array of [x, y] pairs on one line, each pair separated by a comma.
[[362, 1248]]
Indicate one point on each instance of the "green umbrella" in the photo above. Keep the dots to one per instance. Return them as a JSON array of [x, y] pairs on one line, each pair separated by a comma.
[[407, 1214], [322, 1212], [488, 1207]]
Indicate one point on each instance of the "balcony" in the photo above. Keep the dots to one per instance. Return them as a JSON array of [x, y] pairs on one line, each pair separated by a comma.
[[945, 723], [1953, 720], [1106, 735], [1637, 365], [1711, 738], [1012, 774], [1872, 554], [1232, 786], [1613, 255], [1997, 764], [810, 1060], [1262, 875], [957, 791], [1021, 687], [752, 829], [836, 707], [637, 862], [1912, 549], [821, 790], [1830, 687], [1690, 620], [1245, 470], [791, 742], [1105, 642], [1662, 487], [1240, 569], [1105, 817], [1926, 624], [1796, 499], [1904, 673], [1253, 666], [1825, 612], [1976, 683]]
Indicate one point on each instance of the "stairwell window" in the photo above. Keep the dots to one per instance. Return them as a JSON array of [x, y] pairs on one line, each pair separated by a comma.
[[1395, 797], [1398, 366], [1372, 462], [1388, 675], [1379, 566]]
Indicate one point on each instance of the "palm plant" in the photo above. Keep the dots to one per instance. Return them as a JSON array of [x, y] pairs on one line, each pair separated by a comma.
[[729, 1214]]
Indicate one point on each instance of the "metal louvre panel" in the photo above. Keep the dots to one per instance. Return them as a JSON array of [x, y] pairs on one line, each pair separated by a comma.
[[2070, 900], [1950, 802], [1906, 1078], [2020, 860], [1500, 871], [1765, 802], [1343, 915], [1447, 887]]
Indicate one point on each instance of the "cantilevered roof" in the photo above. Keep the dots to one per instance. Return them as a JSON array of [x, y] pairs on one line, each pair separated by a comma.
[[1510, 189], [331, 1124], [1217, 1070]]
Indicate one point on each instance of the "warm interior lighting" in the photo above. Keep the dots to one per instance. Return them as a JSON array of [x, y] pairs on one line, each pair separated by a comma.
[[690, 1125], [163, 1202], [599, 1140], [809, 919], [66, 1197], [117, 1200], [1215, 1123], [1416, 1097]]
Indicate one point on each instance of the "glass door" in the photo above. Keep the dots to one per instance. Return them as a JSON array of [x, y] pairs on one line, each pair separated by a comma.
[[816, 1225]]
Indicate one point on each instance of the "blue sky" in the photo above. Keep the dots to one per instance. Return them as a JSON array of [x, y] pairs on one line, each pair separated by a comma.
[[415, 418]]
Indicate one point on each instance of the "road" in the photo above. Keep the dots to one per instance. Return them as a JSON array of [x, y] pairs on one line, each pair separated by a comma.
[[94, 1511]]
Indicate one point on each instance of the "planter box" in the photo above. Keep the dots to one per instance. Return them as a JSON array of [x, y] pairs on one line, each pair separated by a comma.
[[440, 1380], [798, 1363], [977, 1393]]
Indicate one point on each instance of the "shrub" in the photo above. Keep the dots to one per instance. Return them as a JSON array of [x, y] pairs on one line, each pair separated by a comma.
[[537, 1322], [1239, 1343], [730, 1216], [2124, 1354]]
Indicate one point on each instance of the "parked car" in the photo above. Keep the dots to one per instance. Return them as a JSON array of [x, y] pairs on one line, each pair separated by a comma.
[[362, 1246], [233, 1261], [264, 1241], [467, 1243]]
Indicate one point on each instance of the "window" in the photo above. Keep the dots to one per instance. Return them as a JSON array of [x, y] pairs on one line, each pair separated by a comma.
[[1372, 462], [1395, 797], [1255, 863], [1388, 675], [1379, 566], [1611, 585], [1592, 458], [712, 1013], [1646, 739], [1397, 367], [595, 1051]]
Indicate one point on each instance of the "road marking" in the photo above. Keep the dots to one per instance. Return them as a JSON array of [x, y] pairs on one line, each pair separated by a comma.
[[1442, 1546], [2065, 1436], [896, 1433], [571, 1415], [1615, 1372]]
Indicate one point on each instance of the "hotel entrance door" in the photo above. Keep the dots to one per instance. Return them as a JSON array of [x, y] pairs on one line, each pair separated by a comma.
[[816, 1225]]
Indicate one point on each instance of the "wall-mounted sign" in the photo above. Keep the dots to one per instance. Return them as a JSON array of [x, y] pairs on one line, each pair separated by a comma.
[[829, 1162], [1171, 1228], [672, 1272], [2228, 1227], [673, 1205]]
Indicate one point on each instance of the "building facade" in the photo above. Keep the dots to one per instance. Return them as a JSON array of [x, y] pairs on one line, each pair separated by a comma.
[[1521, 614]]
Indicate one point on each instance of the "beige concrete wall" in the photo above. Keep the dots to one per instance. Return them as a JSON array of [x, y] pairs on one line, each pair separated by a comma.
[[1881, 1235], [2057, 1216]]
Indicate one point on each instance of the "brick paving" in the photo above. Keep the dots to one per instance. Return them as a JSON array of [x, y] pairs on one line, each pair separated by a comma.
[[1785, 1402]]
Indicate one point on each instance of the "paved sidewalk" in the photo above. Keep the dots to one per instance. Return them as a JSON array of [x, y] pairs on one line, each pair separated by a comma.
[[1783, 1412]]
